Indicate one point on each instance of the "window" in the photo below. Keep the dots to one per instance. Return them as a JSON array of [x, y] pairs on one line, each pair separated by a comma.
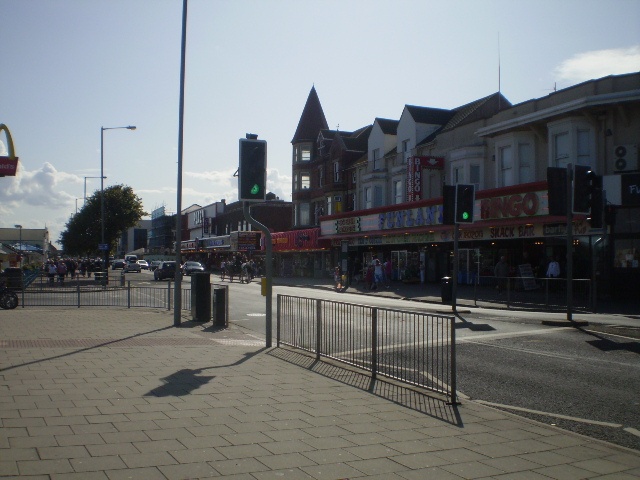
[[405, 150], [303, 214], [375, 154], [398, 191], [302, 153], [525, 163], [458, 174], [378, 196], [584, 153], [296, 185], [353, 178], [336, 171], [305, 181], [368, 197], [474, 175], [561, 149], [305, 153], [321, 176], [507, 175], [330, 206]]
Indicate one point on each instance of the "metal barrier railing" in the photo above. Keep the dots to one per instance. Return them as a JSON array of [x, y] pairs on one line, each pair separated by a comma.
[[79, 295], [414, 348], [528, 292]]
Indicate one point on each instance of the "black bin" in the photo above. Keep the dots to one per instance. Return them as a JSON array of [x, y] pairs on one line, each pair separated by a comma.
[[200, 297], [13, 278], [446, 289], [220, 306]]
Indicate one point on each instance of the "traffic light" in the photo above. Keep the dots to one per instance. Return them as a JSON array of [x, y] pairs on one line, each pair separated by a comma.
[[449, 205], [557, 190], [252, 181], [465, 201], [584, 184]]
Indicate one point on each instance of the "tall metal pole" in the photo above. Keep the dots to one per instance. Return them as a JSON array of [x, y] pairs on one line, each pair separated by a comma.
[[105, 278], [269, 270], [454, 280], [569, 242], [177, 304]]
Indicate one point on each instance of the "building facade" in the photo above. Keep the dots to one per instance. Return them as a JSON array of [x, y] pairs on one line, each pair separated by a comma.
[[504, 151]]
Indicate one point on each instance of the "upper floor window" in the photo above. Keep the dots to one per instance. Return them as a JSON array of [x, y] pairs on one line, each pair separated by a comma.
[[375, 153], [572, 140], [368, 197], [406, 151], [330, 205], [321, 176], [515, 159], [305, 181], [302, 153], [336, 171], [398, 191]]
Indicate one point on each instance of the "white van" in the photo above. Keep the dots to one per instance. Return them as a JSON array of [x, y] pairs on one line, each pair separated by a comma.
[[130, 258]]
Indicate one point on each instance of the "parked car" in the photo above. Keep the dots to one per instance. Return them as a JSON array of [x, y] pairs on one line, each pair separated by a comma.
[[117, 264], [131, 267], [154, 264], [165, 270], [190, 267], [144, 265]]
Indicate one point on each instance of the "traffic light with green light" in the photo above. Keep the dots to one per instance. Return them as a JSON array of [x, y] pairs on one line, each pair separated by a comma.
[[252, 175], [465, 202]]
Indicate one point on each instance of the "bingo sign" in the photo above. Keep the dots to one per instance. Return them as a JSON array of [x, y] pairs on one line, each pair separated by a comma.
[[8, 163], [415, 165]]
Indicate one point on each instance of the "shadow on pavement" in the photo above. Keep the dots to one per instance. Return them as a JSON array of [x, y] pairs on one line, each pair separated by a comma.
[[434, 405]]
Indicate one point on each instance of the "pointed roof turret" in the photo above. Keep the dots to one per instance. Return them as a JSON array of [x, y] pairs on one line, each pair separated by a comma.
[[311, 121]]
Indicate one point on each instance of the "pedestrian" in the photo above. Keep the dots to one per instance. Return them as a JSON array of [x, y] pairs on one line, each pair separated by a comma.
[[62, 272], [501, 271], [553, 270], [388, 272], [52, 271], [378, 273]]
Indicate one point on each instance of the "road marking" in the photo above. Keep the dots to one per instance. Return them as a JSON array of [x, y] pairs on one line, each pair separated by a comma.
[[632, 431], [490, 336], [555, 415]]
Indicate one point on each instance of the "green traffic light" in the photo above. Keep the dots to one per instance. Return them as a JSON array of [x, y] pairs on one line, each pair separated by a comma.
[[465, 215], [255, 189]]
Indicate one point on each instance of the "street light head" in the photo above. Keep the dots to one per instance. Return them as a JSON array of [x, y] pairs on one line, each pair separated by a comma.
[[18, 226], [131, 127]]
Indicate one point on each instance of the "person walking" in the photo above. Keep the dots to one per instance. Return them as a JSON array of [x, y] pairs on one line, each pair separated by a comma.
[[501, 272]]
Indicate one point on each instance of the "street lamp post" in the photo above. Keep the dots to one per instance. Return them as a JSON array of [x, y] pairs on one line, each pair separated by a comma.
[[20, 227], [102, 177], [85, 188]]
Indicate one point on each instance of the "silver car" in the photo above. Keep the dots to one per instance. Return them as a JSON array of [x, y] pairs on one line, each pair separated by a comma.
[[131, 267]]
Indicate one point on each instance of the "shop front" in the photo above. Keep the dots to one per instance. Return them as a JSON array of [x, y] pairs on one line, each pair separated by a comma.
[[512, 222], [300, 253]]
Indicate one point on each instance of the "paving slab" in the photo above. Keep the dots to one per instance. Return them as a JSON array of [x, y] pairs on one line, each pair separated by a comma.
[[115, 393]]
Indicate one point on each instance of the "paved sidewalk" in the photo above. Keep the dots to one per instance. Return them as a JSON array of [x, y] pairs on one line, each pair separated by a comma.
[[116, 393]]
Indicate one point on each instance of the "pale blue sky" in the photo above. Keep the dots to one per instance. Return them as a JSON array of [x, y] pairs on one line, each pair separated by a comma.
[[72, 66]]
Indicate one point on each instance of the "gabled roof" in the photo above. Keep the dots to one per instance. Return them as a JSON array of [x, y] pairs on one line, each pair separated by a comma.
[[429, 115], [388, 126], [311, 121], [481, 108]]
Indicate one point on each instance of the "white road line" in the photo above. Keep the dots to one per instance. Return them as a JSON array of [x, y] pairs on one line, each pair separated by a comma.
[[523, 333], [555, 415], [632, 431]]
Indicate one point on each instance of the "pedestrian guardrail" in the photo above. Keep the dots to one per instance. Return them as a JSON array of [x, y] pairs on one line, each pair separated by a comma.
[[527, 292], [414, 348], [77, 294]]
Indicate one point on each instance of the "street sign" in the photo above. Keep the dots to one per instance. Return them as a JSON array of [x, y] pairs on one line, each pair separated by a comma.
[[103, 246]]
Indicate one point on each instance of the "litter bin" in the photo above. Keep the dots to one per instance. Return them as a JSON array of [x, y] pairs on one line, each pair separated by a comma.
[[446, 289], [220, 306], [13, 278], [200, 297]]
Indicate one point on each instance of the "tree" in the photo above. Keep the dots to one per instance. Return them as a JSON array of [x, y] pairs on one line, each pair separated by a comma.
[[122, 210]]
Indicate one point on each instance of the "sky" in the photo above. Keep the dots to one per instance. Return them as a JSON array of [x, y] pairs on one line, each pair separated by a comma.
[[70, 67]]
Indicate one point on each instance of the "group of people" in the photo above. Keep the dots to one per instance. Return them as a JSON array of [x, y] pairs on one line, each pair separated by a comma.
[[70, 267]]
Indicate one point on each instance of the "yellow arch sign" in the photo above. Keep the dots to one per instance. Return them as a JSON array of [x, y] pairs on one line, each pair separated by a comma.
[[9, 164]]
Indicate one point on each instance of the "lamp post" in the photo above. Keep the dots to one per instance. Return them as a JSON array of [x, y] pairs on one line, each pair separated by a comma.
[[85, 188], [102, 177], [20, 227]]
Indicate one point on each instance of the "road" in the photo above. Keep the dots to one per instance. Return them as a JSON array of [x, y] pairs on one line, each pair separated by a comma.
[[578, 379]]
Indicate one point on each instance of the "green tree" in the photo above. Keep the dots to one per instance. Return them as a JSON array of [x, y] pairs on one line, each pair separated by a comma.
[[122, 210]]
